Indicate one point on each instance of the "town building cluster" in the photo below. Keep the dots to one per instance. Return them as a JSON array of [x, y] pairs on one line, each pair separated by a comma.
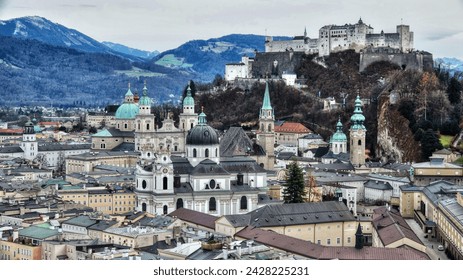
[[187, 191]]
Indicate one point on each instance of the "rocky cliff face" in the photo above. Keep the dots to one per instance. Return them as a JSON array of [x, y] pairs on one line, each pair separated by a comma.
[[395, 140]]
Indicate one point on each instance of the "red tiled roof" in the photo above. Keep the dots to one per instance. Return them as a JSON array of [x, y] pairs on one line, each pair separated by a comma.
[[392, 227], [292, 127], [315, 251], [49, 123], [11, 131], [194, 217]]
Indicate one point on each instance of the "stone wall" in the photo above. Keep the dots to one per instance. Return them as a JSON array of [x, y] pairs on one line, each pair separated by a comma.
[[275, 63], [421, 61]]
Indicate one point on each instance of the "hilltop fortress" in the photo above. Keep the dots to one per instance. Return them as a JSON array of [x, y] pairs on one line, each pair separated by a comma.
[[335, 38], [281, 57]]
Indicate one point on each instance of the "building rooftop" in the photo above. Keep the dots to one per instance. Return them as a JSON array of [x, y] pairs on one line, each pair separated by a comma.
[[291, 127], [81, 221], [294, 214], [39, 233], [315, 251], [377, 185], [391, 227], [194, 217]]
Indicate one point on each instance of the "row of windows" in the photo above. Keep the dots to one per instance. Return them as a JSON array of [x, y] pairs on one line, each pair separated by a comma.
[[213, 204], [338, 241], [206, 153]]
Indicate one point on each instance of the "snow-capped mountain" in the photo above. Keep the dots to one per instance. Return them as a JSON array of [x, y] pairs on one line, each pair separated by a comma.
[[449, 63], [43, 30]]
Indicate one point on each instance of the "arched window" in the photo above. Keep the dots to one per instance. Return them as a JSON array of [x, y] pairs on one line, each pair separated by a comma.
[[244, 203], [164, 210], [195, 154], [207, 153], [179, 203], [262, 127], [149, 154], [212, 184], [143, 184], [212, 204], [216, 152], [143, 207], [269, 127], [191, 125], [125, 125], [360, 142], [138, 126], [164, 183], [147, 126]]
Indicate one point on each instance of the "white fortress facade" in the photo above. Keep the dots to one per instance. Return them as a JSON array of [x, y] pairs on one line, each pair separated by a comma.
[[334, 38]]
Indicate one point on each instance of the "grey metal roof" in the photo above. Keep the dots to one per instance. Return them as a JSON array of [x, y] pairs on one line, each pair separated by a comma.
[[62, 147], [125, 146], [454, 209], [181, 165], [378, 185], [235, 142], [296, 214], [209, 167], [158, 221], [82, 221], [10, 150], [183, 188], [102, 225]]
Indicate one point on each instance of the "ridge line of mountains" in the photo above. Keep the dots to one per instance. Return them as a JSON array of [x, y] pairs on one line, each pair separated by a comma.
[[43, 63]]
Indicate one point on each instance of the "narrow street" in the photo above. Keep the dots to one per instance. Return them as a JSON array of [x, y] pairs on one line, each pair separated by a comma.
[[431, 243]]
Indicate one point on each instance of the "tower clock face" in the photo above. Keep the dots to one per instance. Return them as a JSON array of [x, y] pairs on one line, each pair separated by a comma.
[[165, 170]]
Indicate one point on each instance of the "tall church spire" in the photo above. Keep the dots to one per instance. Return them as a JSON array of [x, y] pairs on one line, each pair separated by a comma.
[[266, 111], [357, 118], [266, 132], [357, 135]]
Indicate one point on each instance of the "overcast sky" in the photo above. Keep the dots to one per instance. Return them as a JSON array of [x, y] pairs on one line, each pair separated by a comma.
[[162, 25]]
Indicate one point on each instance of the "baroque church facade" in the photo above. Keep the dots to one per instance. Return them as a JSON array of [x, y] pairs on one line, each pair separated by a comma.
[[199, 176]]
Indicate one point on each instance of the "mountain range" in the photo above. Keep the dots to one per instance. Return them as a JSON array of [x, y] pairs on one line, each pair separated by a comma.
[[42, 61], [452, 64]]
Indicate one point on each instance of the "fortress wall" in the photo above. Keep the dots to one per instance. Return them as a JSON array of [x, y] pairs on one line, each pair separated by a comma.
[[421, 61], [264, 63]]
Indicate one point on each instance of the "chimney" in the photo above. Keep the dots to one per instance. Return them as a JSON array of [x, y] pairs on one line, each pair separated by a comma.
[[249, 244], [15, 235], [238, 250], [225, 252]]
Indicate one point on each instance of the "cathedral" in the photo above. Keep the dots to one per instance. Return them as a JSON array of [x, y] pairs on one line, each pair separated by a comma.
[[176, 171]]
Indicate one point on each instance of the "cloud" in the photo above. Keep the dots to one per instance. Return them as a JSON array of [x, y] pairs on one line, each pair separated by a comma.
[[443, 35]]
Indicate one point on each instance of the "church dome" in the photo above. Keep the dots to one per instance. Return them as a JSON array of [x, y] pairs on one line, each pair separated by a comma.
[[339, 136], [202, 134], [127, 111]]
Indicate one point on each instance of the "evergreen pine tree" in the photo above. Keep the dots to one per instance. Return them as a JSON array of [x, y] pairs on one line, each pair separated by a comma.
[[429, 144], [294, 191]]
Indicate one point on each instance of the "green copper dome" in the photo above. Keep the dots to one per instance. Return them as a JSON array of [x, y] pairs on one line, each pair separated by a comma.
[[339, 136], [127, 111], [188, 101], [357, 118]]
